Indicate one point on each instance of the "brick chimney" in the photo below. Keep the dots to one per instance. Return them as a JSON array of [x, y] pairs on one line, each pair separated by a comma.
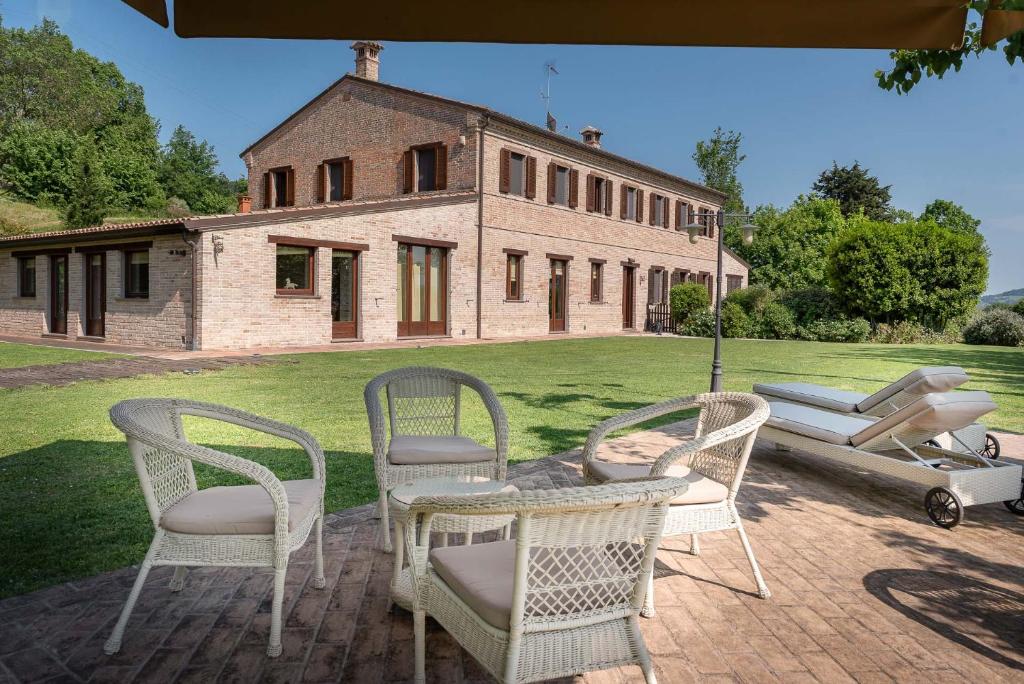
[[368, 59], [244, 204], [592, 136]]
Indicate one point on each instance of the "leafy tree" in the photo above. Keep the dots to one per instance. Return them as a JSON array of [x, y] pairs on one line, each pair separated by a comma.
[[916, 271], [909, 66], [188, 170], [951, 215], [686, 299], [718, 159], [37, 163], [90, 192], [789, 248], [855, 189]]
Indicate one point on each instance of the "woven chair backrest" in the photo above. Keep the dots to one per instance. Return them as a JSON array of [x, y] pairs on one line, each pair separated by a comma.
[[726, 461], [424, 404]]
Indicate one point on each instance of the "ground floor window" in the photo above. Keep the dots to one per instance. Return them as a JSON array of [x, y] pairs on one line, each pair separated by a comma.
[[27, 277], [136, 274], [422, 290], [514, 277], [733, 283], [657, 291], [294, 270], [557, 288], [596, 280]]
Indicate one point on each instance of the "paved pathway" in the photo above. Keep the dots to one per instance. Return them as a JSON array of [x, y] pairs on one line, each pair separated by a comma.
[[864, 590], [75, 371]]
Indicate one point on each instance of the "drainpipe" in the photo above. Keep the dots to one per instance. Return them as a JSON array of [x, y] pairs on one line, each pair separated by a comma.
[[481, 125], [190, 344]]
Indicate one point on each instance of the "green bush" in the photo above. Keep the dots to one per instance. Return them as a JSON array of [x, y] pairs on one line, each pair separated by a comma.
[[1018, 308], [912, 332], [810, 304], [735, 321], [750, 299], [996, 326], [700, 324], [775, 322], [835, 330], [687, 299]]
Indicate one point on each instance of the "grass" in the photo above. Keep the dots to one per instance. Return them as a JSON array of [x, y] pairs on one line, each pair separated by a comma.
[[72, 505], [44, 219], [14, 355]]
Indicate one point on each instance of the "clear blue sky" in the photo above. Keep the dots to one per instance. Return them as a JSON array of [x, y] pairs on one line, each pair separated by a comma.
[[958, 139]]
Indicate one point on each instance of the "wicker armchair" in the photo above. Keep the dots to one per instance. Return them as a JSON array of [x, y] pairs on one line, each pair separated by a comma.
[[712, 462], [253, 525], [424, 410], [563, 598]]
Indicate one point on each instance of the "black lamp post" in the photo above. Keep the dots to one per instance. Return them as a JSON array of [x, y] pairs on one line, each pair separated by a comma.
[[693, 228]]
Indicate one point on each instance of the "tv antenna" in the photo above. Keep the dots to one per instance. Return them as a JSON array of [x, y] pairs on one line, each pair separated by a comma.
[[549, 68]]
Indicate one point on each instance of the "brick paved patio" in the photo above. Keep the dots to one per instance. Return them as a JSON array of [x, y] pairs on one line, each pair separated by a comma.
[[105, 369], [864, 590]]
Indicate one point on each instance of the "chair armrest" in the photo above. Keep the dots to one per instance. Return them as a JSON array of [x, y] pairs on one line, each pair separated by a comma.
[[629, 419], [499, 419], [378, 426]]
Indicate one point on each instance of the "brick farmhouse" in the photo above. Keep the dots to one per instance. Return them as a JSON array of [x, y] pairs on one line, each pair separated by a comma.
[[378, 213]]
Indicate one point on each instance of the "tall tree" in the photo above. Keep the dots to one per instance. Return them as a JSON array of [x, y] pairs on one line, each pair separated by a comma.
[[855, 189], [90, 191], [951, 215], [909, 66], [717, 160], [188, 170]]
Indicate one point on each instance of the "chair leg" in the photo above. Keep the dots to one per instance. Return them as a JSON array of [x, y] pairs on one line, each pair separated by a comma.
[[178, 581], [319, 581], [419, 619], [648, 610], [694, 545], [762, 588], [384, 533], [642, 655], [274, 647], [113, 644]]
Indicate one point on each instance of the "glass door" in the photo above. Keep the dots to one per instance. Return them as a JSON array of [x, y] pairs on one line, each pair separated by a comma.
[[556, 298], [59, 294], [422, 290], [628, 297], [344, 293], [95, 293]]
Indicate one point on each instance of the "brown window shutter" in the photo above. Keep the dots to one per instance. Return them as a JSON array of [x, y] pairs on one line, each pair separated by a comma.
[[441, 170], [679, 214], [590, 192], [650, 219], [666, 217], [608, 194], [504, 172], [407, 170], [574, 189], [622, 201], [639, 206], [531, 177], [290, 190], [689, 214], [266, 190], [346, 180], [321, 193], [552, 170], [712, 220]]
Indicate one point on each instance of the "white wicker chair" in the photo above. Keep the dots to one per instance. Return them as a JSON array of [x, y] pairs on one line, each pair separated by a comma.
[[713, 462], [254, 525], [424, 411], [560, 600]]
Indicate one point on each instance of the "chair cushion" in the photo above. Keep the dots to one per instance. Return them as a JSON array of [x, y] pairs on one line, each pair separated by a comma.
[[245, 509], [921, 381], [929, 416], [481, 575], [813, 395], [815, 423], [422, 450], [701, 490]]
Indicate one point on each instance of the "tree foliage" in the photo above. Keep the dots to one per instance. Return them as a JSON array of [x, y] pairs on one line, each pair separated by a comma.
[[188, 170], [856, 190], [718, 160], [90, 194], [951, 215], [687, 299], [909, 66]]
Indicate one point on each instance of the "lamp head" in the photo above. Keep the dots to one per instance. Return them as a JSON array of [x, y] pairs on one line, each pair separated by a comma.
[[748, 232], [694, 229]]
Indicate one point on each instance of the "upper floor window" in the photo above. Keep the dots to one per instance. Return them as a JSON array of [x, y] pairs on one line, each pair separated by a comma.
[[629, 203], [684, 213], [599, 194], [334, 180], [279, 187], [514, 276], [659, 210], [563, 185], [136, 273], [26, 276], [425, 168], [294, 269], [517, 174]]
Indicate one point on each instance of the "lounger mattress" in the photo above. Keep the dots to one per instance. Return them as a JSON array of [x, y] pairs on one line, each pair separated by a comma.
[[813, 395], [823, 426]]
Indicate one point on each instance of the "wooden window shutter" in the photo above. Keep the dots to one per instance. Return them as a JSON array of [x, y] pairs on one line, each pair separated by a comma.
[[679, 214], [590, 192], [608, 194], [407, 171], [346, 179], [574, 189], [650, 219], [266, 190], [531, 177], [639, 206], [290, 190], [622, 201], [441, 167], [552, 170], [666, 217], [321, 174], [689, 214], [651, 273], [712, 220], [504, 170]]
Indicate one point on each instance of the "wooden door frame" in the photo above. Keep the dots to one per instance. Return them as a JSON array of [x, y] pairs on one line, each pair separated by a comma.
[[564, 292], [347, 330], [629, 303], [427, 328], [87, 268], [54, 258]]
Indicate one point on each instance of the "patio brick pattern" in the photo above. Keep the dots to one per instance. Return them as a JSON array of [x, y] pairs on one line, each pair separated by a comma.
[[864, 589], [105, 369]]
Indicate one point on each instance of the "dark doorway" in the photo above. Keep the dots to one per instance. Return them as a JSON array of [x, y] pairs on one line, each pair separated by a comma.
[[59, 294], [422, 290], [556, 295], [95, 293], [344, 293], [628, 297]]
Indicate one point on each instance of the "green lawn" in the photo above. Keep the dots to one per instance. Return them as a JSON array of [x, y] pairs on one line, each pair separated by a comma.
[[72, 506], [18, 355]]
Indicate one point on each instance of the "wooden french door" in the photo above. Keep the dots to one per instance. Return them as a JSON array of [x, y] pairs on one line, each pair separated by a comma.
[[344, 293], [556, 295], [59, 294], [95, 293], [422, 290], [628, 297]]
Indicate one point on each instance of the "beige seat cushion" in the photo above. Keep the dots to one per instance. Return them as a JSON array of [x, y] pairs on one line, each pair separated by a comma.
[[930, 416], [421, 450], [246, 509], [701, 490], [481, 575], [919, 382], [812, 395], [824, 426]]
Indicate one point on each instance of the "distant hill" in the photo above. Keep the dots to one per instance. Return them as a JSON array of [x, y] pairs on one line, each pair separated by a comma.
[[1008, 297]]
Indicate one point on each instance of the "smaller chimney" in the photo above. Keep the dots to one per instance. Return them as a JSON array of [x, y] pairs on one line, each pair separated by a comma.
[[368, 59], [244, 204], [592, 136]]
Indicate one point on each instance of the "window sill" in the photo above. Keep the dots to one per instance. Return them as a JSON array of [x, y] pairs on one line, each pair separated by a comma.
[[91, 338], [56, 336], [516, 301], [26, 298], [131, 299], [597, 302], [343, 340], [424, 337], [297, 296], [558, 332]]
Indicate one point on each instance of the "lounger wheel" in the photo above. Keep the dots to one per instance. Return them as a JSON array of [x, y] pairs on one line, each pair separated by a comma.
[[944, 507], [1016, 506], [991, 449]]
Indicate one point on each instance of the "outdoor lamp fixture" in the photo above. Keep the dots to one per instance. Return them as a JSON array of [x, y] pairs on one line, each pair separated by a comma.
[[717, 219]]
